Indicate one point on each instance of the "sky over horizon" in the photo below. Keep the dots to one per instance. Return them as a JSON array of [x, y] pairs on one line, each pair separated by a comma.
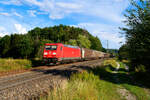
[[100, 17]]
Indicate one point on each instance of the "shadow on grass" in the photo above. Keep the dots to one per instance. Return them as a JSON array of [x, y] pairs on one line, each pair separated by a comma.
[[135, 79], [104, 73], [111, 77], [122, 69], [36, 63]]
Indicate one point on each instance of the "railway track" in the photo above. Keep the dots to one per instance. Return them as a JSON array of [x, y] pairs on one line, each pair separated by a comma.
[[8, 84]]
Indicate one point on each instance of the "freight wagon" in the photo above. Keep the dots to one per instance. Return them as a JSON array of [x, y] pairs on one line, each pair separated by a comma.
[[58, 52], [88, 54]]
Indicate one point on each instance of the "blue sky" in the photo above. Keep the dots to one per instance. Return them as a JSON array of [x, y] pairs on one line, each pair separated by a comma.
[[100, 17]]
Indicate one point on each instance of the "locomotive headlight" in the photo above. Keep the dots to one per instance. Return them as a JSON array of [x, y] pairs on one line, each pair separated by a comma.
[[45, 53], [54, 53]]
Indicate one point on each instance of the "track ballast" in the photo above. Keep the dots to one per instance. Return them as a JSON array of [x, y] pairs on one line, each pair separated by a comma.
[[30, 85]]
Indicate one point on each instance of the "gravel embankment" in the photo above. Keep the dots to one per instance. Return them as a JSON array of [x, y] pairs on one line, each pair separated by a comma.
[[29, 86]]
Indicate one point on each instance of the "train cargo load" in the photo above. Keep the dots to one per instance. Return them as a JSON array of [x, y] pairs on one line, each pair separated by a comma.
[[91, 54]]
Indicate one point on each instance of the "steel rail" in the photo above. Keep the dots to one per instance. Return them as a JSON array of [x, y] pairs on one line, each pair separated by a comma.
[[21, 79]]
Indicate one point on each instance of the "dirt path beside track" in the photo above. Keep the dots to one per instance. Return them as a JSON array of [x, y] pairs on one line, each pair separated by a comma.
[[124, 92]]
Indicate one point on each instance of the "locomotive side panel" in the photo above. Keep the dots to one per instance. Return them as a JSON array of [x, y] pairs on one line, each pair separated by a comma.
[[71, 53]]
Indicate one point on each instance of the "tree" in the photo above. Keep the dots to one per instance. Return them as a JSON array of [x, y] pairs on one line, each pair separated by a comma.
[[21, 46], [72, 42], [35, 33], [83, 41], [25, 47], [5, 46], [95, 43], [138, 32], [32, 43], [123, 52]]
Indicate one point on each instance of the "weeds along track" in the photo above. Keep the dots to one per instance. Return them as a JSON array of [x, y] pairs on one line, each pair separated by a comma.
[[32, 84]]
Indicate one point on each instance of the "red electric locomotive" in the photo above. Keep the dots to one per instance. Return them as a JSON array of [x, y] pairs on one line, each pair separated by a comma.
[[58, 52]]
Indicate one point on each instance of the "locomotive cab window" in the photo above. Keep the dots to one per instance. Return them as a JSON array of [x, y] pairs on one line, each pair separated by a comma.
[[51, 47]]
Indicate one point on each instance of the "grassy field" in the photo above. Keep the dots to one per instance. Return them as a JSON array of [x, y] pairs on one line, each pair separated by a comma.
[[126, 80], [84, 86], [14, 64], [101, 83]]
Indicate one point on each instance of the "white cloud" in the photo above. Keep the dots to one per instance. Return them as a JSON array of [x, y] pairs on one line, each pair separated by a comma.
[[2, 28], [103, 11], [56, 10], [56, 16], [3, 31], [17, 14], [10, 25], [34, 2], [5, 14], [32, 13], [106, 9], [10, 2], [11, 14], [68, 5], [118, 0], [104, 32], [20, 29], [110, 10]]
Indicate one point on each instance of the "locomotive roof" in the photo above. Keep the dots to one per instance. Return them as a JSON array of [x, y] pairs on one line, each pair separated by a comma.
[[70, 46]]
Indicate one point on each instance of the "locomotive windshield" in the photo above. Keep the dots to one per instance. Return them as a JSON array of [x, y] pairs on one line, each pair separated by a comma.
[[50, 47]]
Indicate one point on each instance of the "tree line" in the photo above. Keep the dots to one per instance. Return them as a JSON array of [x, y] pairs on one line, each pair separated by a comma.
[[30, 45], [137, 32]]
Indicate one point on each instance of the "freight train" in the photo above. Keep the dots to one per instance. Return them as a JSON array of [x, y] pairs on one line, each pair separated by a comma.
[[58, 52]]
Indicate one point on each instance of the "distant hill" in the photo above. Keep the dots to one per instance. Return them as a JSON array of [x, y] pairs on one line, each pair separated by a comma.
[[30, 45]]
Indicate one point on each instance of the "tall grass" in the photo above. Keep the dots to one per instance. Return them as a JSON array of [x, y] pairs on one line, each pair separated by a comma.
[[84, 86], [14, 64]]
